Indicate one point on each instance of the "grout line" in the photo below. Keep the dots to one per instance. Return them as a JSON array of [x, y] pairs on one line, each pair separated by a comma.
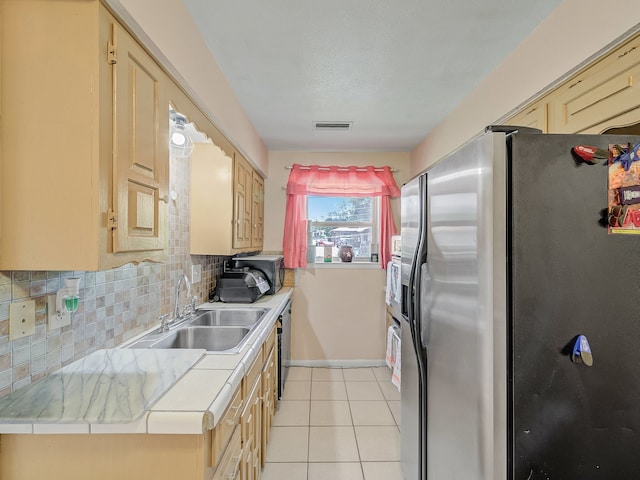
[[309, 425], [353, 426]]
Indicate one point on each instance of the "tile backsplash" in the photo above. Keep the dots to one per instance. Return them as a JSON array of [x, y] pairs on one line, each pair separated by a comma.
[[115, 305]]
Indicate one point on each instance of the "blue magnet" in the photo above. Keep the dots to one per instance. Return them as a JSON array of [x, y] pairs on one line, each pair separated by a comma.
[[582, 351]]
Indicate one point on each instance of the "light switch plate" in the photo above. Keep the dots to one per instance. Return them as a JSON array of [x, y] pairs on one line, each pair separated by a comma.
[[22, 319], [55, 320], [196, 273]]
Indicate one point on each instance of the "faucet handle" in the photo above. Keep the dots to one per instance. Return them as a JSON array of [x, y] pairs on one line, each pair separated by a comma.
[[190, 306], [164, 322]]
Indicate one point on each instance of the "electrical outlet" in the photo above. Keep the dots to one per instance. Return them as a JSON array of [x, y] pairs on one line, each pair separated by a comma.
[[22, 319], [55, 320], [196, 273]]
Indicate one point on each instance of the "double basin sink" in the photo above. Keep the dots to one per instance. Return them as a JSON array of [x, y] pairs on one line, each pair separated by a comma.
[[221, 331]]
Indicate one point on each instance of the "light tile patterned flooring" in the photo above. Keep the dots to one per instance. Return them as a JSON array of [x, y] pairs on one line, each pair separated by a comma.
[[336, 424]]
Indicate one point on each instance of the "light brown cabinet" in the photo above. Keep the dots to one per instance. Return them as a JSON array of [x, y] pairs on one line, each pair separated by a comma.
[[269, 392], [229, 467], [248, 206], [534, 116], [604, 95], [141, 161], [257, 210], [227, 426], [242, 202], [226, 203], [251, 422], [84, 122]]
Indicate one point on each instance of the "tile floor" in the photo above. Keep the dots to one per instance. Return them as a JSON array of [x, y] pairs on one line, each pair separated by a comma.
[[336, 424]]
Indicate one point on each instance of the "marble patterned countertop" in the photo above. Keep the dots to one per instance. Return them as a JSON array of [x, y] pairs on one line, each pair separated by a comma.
[[166, 391]]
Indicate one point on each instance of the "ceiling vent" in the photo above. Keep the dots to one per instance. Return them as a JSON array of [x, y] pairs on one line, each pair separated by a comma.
[[333, 126]]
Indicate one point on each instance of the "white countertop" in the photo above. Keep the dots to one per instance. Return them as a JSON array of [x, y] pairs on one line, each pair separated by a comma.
[[172, 391]]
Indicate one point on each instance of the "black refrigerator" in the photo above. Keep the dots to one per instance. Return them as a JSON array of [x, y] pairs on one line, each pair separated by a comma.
[[520, 339]]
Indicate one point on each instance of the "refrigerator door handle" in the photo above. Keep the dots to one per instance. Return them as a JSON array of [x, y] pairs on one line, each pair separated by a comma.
[[426, 297], [413, 289]]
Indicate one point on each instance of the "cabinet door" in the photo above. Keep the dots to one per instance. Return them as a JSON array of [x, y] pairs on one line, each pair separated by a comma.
[[257, 210], [247, 471], [242, 203], [602, 96], [211, 197], [258, 452], [230, 467], [534, 116], [268, 406], [251, 430], [141, 149]]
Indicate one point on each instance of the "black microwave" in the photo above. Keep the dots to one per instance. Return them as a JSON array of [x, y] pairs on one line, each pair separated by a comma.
[[271, 265]]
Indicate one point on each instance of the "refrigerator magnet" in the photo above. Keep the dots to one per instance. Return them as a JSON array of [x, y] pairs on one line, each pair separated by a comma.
[[624, 189]]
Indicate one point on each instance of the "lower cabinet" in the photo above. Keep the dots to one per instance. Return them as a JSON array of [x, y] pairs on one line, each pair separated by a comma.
[[233, 450], [230, 464], [226, 441], [109, 456], [269, 398], [251, 426], [249, 416]]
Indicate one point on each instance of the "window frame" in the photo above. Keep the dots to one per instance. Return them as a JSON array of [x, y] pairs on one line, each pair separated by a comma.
[[375, 234]]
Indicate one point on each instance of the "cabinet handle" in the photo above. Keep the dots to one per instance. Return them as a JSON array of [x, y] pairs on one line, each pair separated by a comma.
[[233, 420], [236, 469], [627, 52], [165, 199]]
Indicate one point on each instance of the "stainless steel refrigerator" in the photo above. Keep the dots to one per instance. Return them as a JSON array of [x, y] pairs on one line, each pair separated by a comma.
[[506, 263]]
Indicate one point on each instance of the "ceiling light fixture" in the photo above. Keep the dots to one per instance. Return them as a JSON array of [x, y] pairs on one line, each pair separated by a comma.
[[180, 142]]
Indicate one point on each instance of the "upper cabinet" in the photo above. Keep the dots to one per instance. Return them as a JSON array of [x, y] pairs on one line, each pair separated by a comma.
[[242, 202], [605, 94], [248, 206], [84, 123], [257, 210], [226, 203], [534, 116], [141, 105]]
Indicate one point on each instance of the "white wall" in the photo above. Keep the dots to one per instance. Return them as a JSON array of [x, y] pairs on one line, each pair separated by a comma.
[[338, 314], [573, 33]]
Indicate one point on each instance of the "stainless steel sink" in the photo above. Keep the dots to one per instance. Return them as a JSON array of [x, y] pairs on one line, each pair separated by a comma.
[[214, 339], [229, 317], [221, 331]]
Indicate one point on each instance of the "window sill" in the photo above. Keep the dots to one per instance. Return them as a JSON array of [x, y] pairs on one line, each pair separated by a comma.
[[351, 265]]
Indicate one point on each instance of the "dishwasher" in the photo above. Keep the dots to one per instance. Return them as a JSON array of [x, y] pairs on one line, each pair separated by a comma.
[[284, 346]]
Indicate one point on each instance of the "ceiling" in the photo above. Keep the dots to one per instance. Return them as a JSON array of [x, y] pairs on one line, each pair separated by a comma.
[[395, 68]]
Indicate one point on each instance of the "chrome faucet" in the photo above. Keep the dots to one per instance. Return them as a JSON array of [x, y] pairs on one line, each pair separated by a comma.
[[176, 310]]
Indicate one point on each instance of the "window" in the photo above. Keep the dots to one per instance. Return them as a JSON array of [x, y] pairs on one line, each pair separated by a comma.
[[347, 186], [338, 221]]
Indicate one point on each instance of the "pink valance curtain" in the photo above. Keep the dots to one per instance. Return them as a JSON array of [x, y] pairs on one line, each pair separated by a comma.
[[335, 181]]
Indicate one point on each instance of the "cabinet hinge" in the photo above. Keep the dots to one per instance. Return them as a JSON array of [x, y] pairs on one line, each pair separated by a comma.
[[112, 54], [112, 219]]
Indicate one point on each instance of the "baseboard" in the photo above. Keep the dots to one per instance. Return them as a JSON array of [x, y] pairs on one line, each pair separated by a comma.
[[337, 363]]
